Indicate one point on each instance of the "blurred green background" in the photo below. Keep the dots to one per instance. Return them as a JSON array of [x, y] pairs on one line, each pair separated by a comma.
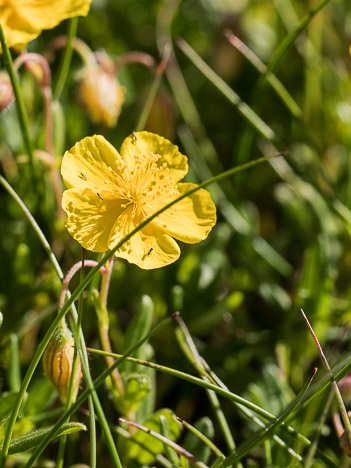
[[282, 240]]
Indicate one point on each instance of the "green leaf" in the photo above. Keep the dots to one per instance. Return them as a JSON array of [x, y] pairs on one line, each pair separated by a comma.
[[33, 438], [143, 447], [170, 453], [139, 327], [137, 387], [7, 400], [40, 395], [14, 372], [58, 115], [147, 407]]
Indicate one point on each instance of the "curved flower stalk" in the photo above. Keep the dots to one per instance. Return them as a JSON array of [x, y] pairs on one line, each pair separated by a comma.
[[109, 194], [24, 20]]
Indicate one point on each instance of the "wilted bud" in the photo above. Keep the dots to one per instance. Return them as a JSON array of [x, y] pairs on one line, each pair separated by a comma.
[[6, 91], [345, 387], [101, 94], [345, 444], [58, 359]]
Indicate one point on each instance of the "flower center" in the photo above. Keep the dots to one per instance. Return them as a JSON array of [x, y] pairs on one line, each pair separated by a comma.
[[145, 187]]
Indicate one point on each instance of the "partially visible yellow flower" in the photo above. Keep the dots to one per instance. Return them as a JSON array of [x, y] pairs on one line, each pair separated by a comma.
[[109, 194], [23, 20], [101, 95]]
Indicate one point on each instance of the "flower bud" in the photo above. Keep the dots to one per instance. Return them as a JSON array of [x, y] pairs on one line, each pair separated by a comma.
[[345, 444], [101, 94], [6, 91], [345, 387], [58, 359]]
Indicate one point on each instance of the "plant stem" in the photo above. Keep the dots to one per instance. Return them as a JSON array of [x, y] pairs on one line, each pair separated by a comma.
[[202, 437], [75, 362], [223, 391], [45, 86], [105, 282], [81, 287], [340, 401], [46, 339], [66, 60], [188, 346], [261, 67], [73, 270], [184, 453], [153, 90], [115, 384], [97, 382], [22, 115], [247, 112]]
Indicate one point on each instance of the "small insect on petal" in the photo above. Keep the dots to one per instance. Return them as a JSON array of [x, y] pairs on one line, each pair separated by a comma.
[[83, 176], [97, 193], [149, 252]]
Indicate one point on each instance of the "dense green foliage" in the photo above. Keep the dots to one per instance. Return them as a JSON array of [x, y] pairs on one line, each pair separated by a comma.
[[282, 241]]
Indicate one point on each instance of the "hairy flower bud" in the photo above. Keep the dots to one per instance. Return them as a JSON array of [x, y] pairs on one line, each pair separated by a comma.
[[101, 94], [6, 91], [57, 362]]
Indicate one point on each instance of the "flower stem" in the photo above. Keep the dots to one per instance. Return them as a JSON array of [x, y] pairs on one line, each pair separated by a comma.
[[66, 60], [153, 89], [116, 386], [63, 439], [115, 383], [97, 382], [22, 115], [105, 283], [134, 57], [83, 50], [184, 453], [45, 86], [202, 437], [220, 390], [188, 345], [88, 278], [45, 341], [76, 267]]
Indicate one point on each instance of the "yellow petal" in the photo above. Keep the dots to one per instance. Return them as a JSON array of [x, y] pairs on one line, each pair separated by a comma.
[[91, 217], [88, 164], [191, 219], [146, 142], [23, 20], [149, 248]]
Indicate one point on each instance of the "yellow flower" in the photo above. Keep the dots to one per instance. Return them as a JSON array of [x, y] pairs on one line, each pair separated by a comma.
[[109, 194], [24, 20]]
